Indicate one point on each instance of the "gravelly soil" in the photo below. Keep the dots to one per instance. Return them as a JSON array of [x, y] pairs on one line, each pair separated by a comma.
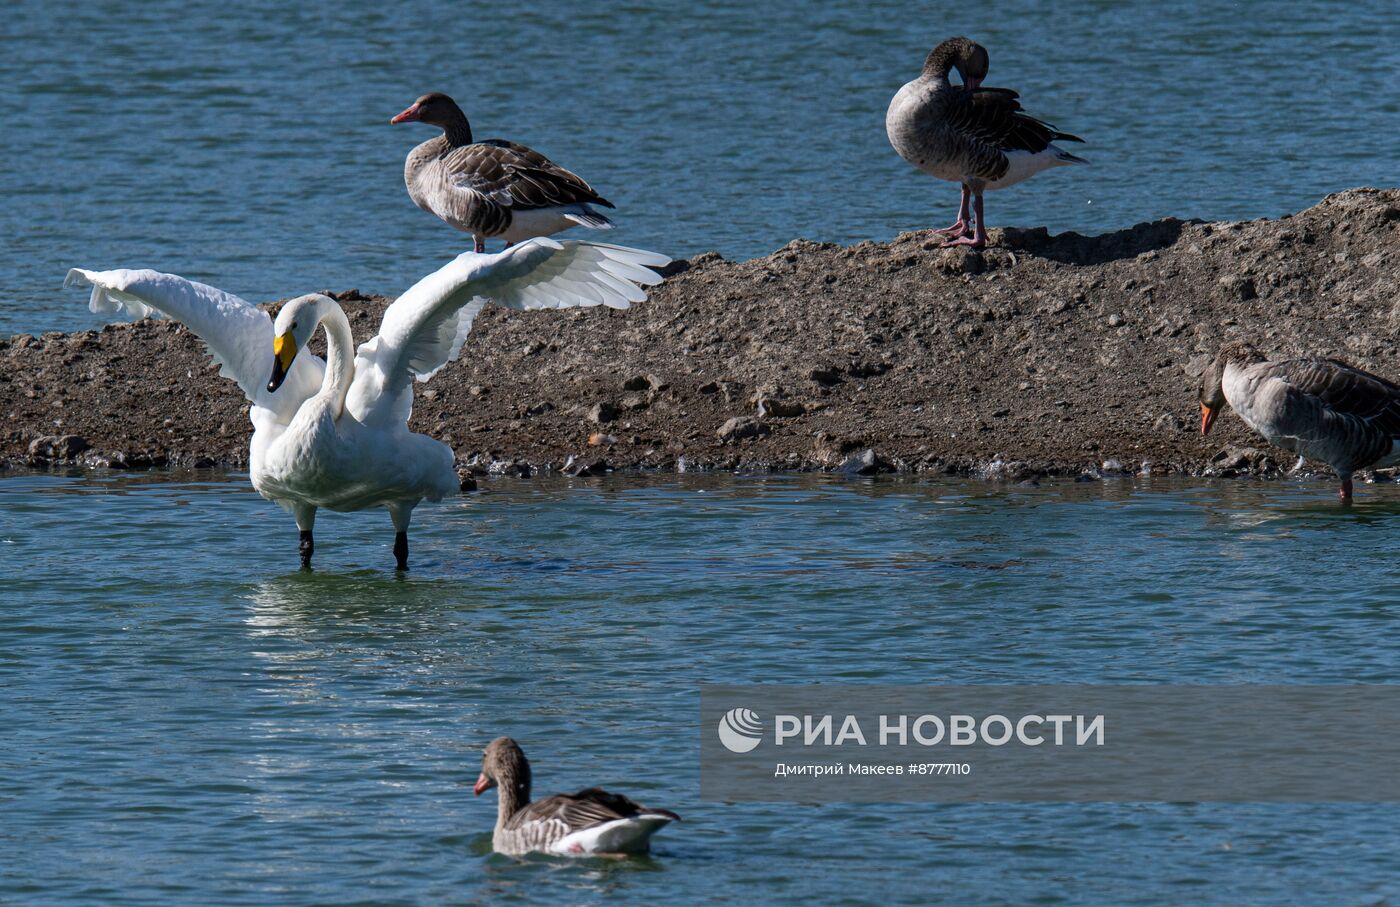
[[1059, 355]]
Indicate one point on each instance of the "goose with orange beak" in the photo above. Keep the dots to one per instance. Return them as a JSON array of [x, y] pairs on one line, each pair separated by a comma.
[[1323, 409], [491, 188], [592, 821]]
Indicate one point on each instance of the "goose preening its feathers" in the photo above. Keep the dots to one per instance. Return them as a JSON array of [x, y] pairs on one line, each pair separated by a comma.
[[978, 137], [492, 188], [592, 821], [334, 434], [1318, 408]]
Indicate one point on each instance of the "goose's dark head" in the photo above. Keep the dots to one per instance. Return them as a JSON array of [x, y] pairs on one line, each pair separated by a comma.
[[504, 764], [435, 108], [963, 54]]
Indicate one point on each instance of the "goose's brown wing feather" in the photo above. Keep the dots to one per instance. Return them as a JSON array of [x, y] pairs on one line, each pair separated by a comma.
[[518, 177], [995, 116], [1348, 417], [1345, 390], [586, 808]]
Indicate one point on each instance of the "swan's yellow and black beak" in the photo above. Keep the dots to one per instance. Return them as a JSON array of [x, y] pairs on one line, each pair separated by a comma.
[[284, 350]]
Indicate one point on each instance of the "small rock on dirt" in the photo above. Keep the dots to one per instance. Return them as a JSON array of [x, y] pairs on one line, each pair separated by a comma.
[[741, 428], [603, 412], [57, 447]]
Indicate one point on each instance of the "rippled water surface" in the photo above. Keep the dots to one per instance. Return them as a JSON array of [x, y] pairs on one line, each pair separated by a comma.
[[248, 144], [188, 719]]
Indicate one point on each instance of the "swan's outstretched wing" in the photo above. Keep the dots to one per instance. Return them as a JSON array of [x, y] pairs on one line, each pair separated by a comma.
[[237, 333], [425, 327]]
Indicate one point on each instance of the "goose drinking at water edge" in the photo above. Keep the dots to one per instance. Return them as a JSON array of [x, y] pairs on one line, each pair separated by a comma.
[[1318, 408]]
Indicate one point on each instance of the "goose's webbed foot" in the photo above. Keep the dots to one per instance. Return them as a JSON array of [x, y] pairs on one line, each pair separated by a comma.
[[978, 239]]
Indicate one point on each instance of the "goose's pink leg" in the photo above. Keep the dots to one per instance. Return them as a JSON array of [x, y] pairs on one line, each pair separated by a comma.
[[480, 244], [1345, 493], [960, 228], [978, 239]]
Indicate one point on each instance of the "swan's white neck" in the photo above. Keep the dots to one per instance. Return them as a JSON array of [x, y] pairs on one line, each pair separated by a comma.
[[340, 361]]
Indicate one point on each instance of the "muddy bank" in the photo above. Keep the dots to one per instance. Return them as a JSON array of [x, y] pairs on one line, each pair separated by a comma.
[[1043, 354]]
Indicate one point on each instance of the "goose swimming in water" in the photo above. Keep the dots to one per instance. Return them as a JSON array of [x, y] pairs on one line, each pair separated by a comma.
[[492, 188], [1318, 408], [971, 135], [592, 821], [334, 434]]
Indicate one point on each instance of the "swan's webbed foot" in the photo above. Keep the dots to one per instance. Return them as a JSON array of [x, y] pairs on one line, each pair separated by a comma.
[[401, 549], [307, 547]]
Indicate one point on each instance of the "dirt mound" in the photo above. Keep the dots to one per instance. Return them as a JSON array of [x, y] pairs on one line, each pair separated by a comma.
[[1042, 354]]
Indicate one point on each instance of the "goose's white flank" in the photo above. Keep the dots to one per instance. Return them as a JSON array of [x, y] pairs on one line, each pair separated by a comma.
[[335, 434]]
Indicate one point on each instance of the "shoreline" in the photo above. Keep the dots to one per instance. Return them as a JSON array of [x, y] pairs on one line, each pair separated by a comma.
[[1046, 355]]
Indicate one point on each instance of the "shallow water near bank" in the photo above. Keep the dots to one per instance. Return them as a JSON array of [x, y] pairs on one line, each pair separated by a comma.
[[249, 147], [189, 717]]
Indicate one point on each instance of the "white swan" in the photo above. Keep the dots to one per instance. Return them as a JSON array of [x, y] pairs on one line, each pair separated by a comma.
[[335, 434]]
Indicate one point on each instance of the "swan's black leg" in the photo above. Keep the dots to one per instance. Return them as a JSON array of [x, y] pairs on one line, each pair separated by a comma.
[[401, 549], [308, 547]]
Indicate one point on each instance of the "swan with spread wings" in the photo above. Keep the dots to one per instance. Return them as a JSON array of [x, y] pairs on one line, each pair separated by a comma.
[[334, 433]]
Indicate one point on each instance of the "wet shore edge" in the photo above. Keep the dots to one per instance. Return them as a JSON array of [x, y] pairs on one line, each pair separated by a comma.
[[1062, 355]]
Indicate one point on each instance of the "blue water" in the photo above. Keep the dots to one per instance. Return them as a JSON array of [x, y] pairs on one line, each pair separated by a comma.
[[188, 719], [248, 144]]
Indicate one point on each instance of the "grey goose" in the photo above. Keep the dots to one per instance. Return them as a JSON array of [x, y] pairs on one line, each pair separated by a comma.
[[1320, 408], [592, 821], [491, 188], [968, 134]]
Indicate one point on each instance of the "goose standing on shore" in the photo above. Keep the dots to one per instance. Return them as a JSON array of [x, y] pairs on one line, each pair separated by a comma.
[[591, 821], [1318, 408], [334, 434], [971, 135], [492, 188]]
